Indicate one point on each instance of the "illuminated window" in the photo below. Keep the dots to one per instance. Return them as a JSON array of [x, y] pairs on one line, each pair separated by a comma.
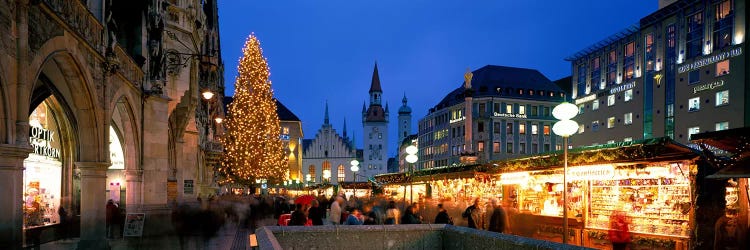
[[693, 130], [480, 146], [694, 34], [311, 171], [722, 68], [581, 108], [595, 126], [509, 108], [628, 95], [627, 139], [722, 98], [285, 130], [546, 130], [611, 122], [522, 110], [610, 100], [628, 118], [496, 147], [342, 173], [612, 68], [581, 128], [595, 105], [722, 126], [610, 141], [723, 24], [522, 129], [509, 128], [327, 166], [534, 129], [694, 104]]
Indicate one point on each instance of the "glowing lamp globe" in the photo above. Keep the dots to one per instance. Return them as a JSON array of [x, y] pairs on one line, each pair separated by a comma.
[[354, 168], [207, 95], [218, 120], [411, 158], [565, 128], [326, 173], [411, 149], [565, 111], [354, 162], [308, 177]]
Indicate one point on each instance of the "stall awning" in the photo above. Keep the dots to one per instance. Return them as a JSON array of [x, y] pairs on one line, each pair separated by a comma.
[[740, 169]]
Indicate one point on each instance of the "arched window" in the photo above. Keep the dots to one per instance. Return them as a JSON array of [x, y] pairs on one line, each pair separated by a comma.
[[327, 166], [342, 173], [311, 171]]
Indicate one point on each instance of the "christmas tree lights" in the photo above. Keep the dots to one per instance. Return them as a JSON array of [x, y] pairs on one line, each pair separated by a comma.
[[252, 145]]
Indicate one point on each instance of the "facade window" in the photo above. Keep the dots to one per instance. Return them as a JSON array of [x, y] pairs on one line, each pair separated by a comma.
[[629, 61], [610, 100], [612, 68], [496, 147], [311, 171], [693, 130], [722, 68], [722, 126], [480, 126], [380, 135], [610, 141], [611, 122], [522, 129], [595, 126], [627, 139], [694, 34], [509, 148], [496, 108], [534, 111], [480, 146], [628, 118], [694, 104], [508, 108], [509, 128], [327, 166], [694, 76], [342, 173], [583, 88], [284, 130], [595, 105], [531, 92], [520, 91], [496, 128], [581, 128], [534, 129], [581, 108], [628, 95], [649, 39], [534, 148], [546, 147], [596, 72], [546, 130], [546, 111], [541, 92], [722, 98], [522, 109], [522, 148], [723, 24]]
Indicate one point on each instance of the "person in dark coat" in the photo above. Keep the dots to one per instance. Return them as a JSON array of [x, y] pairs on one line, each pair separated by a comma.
[[410, 216], [316, 213], [442, 216], [371, 217], [474, 215], [113, 214], [498, 219], [298, 217]]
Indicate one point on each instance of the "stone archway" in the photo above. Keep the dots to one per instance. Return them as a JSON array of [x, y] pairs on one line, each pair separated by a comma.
[[125, 122]]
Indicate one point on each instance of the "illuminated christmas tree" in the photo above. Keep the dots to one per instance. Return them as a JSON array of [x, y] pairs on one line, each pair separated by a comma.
[[252, 146]]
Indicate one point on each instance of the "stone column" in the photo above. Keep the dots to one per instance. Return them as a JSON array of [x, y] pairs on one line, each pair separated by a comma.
[[11, 184], [133, 187], [155, 152], [93, 205]]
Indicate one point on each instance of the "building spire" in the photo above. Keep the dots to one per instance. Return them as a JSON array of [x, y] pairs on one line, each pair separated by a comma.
[[325, 120], [375, 84], [345, 128], [386, 107], [403, 100]]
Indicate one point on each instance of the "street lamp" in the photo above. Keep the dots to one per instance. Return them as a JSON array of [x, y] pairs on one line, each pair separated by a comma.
[[411, 158], [326, 174], [208, 95], [354, 169], [565, 127]]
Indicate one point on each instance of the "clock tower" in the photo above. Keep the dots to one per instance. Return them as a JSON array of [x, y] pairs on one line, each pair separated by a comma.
[[375, 131]]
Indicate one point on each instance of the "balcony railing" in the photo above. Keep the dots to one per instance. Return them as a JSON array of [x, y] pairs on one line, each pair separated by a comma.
[[213, 147], [79, 19]]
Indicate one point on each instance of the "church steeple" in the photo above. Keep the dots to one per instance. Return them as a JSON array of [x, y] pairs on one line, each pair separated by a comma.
[[344, 130], [325, 120], [375, 84]]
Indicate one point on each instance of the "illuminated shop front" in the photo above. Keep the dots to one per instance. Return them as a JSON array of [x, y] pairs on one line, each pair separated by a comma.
[[116, 172], [42, 177]]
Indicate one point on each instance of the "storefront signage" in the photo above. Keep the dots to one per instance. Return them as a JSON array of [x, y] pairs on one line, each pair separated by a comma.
[[587, 98], [458, 120], [284, 137], [514, 178], [134, 224], [41, 140], [708, 60], [598, 172], [621, 88], [708, 86], [523, 116]]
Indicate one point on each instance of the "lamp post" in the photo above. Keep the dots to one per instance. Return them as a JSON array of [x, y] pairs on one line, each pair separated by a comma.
[[326, 175], [354, 169], [565, 128], [411, 158], [208, 95]]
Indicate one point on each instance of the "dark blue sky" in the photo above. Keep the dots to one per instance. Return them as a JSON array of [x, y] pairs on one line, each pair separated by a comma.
[[325, 50]]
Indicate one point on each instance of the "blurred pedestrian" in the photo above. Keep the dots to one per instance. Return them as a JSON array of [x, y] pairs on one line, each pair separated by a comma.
[[392, 214], [354, 218], [410, 216], [335, 215], [442, 216], [499, 219], [473, 214], [370, 216], [112, 218], [298, 217], [619, 230], [316, 213]]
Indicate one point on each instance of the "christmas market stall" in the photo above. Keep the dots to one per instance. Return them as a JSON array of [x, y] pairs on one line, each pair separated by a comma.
[[651, 182], [360, 189], [724, 222]]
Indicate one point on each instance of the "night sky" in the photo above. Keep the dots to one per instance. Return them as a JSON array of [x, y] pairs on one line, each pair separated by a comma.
[[325, 50]]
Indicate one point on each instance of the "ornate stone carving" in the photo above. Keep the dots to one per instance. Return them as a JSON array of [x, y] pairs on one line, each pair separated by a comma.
[[79, 19], [156, 46], [41, 29]]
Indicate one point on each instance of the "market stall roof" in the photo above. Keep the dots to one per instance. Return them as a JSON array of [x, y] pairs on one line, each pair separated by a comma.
[[740, 169], [429, 173], [358, 185], [736, 142], [655, 149]]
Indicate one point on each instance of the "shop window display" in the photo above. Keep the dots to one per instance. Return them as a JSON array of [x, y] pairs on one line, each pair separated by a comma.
[[42, 176]]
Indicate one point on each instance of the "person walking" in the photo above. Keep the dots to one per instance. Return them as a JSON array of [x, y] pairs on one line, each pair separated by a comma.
[[392, 214], [498, 220], [316, 213], [298, 217], [335, 216], [473, 214], [442, 216], [619, 230], [112, 217], [410, 216], [354, 218], [371, 217]]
